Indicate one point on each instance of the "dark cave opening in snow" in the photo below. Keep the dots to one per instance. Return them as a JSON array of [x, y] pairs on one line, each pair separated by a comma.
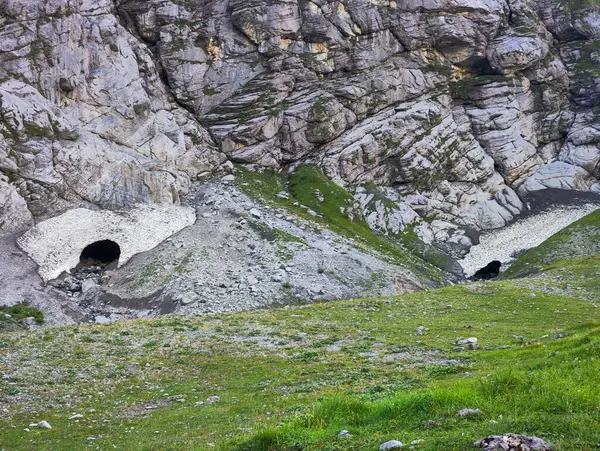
[[100, 253], [490, 271]]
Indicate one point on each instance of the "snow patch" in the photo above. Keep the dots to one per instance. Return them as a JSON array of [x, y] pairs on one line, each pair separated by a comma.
[[56, 244], [526, 233]]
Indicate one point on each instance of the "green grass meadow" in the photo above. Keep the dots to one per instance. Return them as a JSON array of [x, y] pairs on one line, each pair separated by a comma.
[[293, 378]]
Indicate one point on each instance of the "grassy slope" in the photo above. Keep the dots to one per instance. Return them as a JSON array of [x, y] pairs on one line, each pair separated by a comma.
[[299, 375], [307, 186], [581, 239]]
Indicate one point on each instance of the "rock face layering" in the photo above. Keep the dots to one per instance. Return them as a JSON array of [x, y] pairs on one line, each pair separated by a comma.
[[458, 108]]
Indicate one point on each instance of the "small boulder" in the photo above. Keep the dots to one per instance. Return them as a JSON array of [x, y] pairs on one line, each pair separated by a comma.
[[100, 319], [512, 442], [469, 343], [317, 289], [213, 399], [88, 285], [74, 287], [472, 343], [187, 298], [392, 444], [42, 425], [29, 321], [344, 434], [468, 412]]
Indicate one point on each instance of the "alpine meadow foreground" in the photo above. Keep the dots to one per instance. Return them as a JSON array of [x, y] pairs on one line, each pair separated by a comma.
[[295, 377]]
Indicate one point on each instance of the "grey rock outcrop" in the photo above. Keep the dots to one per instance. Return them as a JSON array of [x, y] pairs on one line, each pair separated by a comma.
[[457, 109], [512, 442], [85, 116]]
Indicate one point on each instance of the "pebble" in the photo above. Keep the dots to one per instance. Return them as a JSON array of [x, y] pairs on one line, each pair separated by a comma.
[[213, 399], [345, 434], [76, 416]]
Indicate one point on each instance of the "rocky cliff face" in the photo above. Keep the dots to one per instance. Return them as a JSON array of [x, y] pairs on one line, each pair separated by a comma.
[[457, 108]]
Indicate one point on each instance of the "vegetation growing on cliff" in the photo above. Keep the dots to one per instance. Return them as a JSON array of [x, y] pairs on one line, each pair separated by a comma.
[[307, 189]]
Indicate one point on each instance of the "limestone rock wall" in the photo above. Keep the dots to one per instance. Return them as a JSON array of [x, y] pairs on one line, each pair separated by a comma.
[[457, 108], [85, 117]]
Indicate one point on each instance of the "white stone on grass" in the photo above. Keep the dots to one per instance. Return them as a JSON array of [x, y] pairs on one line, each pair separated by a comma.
[[391, 444], [42, 425], [468, 412]]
